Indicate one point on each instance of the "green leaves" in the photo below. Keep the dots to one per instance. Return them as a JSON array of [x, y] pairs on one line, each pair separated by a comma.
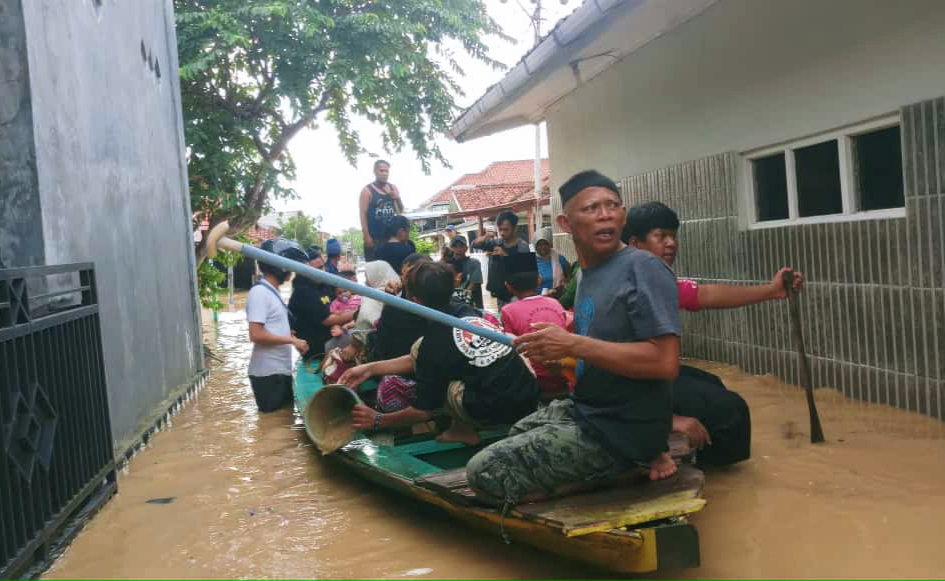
[[256, 72], [301, 228]]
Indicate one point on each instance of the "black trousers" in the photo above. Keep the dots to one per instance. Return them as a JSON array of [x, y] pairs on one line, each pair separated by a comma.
[[272, 392], [702, 395]]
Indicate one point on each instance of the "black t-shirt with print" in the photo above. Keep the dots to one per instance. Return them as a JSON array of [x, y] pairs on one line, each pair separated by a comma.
[[310, 305], [499, 388]]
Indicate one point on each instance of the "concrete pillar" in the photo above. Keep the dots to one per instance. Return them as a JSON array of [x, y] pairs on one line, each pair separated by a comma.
[[21, 219]]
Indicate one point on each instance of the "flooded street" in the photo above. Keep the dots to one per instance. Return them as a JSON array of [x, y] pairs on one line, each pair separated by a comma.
[[236, 494]]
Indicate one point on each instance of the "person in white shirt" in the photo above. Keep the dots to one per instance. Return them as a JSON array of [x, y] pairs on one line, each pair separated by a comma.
[[270, 365]]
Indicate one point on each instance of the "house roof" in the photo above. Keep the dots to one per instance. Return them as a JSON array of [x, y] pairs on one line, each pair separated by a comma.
[[501, 182], [594, 37], [257, 234]]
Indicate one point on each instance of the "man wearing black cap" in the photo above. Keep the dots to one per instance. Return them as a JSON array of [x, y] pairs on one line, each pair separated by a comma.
[[333, 251], [310, 305], [469, 269], [627, 347]]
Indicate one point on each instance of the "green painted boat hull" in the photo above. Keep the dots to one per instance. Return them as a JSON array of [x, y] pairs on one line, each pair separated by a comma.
[[665, 540]]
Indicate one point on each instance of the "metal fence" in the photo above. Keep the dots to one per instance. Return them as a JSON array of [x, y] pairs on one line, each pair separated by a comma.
[[56, 458]]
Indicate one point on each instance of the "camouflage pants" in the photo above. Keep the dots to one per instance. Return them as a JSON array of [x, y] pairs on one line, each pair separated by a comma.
[[543, 451]]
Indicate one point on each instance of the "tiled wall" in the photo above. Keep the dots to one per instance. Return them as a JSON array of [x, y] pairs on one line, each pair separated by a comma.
[[874, 306]]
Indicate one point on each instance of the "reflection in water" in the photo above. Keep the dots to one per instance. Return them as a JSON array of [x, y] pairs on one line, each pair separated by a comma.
[[251, 498]]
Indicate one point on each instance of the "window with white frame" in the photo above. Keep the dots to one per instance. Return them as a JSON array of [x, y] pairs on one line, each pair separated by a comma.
[[854, 173]]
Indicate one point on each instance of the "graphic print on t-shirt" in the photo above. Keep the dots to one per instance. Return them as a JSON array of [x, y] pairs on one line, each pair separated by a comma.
[[583, 315], [480, 351]]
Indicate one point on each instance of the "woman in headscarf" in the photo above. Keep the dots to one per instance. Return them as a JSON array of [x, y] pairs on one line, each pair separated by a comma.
[[379, 275], [552, 267]]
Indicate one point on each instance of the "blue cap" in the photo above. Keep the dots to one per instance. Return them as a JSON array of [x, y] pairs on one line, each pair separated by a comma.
[[332, 247]]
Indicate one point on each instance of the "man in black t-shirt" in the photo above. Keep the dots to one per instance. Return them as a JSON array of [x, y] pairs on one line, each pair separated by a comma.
[[474, 380], [507, 244], [469, 270], [627, 347], [398, 244], [309, 306]]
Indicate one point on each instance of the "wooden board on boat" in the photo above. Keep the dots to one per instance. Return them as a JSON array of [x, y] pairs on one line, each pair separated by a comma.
[[627, 505]]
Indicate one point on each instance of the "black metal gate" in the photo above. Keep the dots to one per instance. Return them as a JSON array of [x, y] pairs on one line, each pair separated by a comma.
[[56, 459]]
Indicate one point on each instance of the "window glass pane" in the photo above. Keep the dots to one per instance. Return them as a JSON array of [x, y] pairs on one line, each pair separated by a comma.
[[818, 179], [878, 166], [771, 197]]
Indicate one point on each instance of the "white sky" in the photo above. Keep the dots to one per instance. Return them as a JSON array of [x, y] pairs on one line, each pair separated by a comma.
[[328, 185]]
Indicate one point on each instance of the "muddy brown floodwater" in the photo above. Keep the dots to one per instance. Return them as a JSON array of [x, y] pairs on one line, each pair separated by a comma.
[[252, 498]]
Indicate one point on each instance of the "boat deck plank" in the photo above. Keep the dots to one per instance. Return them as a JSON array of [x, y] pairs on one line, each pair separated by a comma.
[[634, 503]]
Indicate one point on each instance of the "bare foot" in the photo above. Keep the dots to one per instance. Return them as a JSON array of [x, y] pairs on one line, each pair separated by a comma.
[[662, 467], [460, 432]]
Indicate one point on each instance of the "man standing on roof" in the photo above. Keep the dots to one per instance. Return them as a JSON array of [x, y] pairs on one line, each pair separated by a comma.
[[380, 201]]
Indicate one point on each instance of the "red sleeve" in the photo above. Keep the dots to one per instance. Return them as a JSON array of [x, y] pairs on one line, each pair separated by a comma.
[[688, 294]]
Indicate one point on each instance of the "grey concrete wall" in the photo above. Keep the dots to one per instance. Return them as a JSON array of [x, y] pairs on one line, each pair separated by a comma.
[[21, 231], [112, 185], [874, 305]]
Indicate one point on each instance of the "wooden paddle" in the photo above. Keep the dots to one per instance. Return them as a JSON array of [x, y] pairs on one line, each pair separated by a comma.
[[216, 239], [816, 432]]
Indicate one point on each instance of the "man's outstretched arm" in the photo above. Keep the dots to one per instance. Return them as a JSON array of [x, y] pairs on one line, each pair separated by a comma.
[[731, 296]]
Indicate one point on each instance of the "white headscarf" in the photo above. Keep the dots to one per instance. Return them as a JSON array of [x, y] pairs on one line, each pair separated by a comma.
[[378, 273], [547, 235]]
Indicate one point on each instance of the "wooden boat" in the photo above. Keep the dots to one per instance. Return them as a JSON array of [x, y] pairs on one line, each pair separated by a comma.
[[631, 526]]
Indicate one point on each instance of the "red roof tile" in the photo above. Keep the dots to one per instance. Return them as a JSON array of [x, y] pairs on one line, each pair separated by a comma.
[[259, 234], [502, 182]]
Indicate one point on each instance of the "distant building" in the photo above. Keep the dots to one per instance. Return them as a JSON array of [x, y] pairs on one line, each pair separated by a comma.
[[502, 185]]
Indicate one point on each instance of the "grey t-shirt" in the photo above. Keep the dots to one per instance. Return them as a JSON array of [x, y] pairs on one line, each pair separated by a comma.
[[632, 296], [264, 305]]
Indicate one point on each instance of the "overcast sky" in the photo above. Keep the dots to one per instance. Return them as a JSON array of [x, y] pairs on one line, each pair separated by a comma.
[[328, 185]]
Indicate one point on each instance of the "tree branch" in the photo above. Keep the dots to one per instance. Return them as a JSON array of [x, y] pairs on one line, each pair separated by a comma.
[[254, 196]]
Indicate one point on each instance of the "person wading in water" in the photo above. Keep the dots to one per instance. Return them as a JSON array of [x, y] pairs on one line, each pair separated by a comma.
[[380, 201]]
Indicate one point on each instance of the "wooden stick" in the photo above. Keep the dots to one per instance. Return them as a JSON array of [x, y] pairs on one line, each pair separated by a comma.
[[816, 431]]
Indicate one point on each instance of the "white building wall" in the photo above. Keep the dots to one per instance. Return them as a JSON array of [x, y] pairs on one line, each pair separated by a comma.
[[749, 73]]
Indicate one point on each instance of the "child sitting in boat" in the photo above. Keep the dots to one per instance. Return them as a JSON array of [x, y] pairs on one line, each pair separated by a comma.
[[474, 380], [345, 302], [522, 280]]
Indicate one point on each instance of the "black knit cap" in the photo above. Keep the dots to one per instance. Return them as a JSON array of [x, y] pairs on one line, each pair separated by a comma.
[[520, 262], [590, 178]]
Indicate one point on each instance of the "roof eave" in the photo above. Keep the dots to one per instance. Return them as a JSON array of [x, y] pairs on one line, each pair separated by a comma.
[[536, 64], [561, 48]]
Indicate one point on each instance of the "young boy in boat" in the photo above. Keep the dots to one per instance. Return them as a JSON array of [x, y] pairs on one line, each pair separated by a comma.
[[472, 379], [716, 420], [270, 365], [522, 281], [627, 343]]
